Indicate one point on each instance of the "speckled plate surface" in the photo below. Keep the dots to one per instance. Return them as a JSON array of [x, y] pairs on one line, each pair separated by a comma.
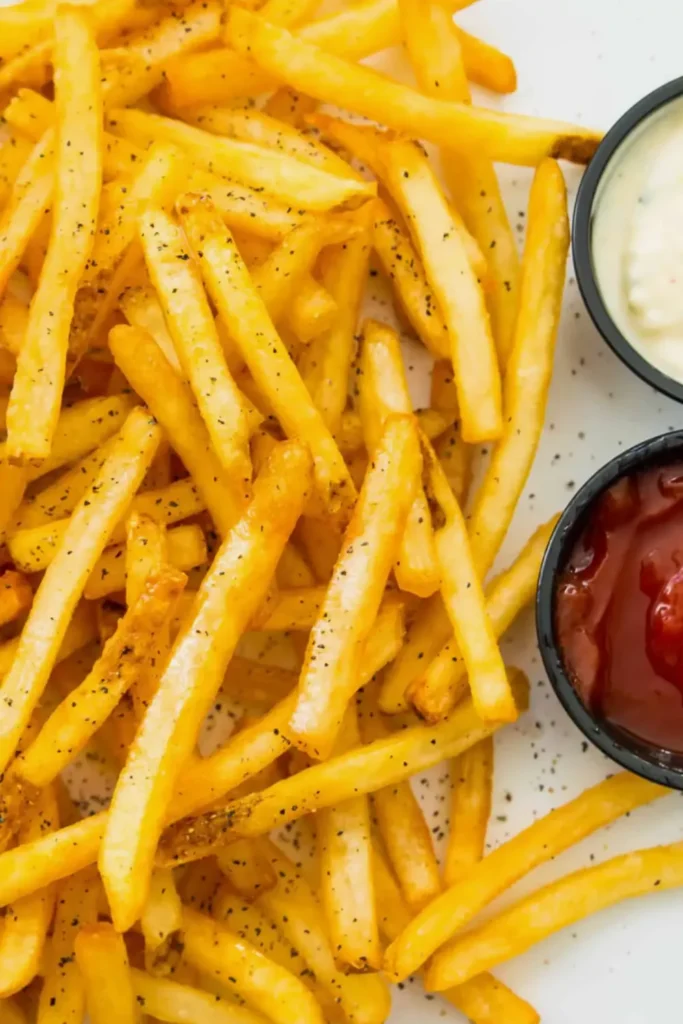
[[586, 60]]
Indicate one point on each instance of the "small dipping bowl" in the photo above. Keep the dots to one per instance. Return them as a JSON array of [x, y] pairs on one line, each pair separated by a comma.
[[629, 751], [596, 182]]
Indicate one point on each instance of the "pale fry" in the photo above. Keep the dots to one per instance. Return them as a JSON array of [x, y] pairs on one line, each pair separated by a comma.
[[182, 1004], [346, 885], [265, 985], [401, 823], [62, 997], [103, 962], [382, 763], [234, 587], [63, 582], [530, 366], [247, 320], [553, 907], [37, 390], [471, 782], [436, 688], [382, 390], [506, 137], [189, 319], [125, 656], [458, 293], [170, 399], [370, 545], [436, 52], [544, 839], [463, 597], [283, 176]]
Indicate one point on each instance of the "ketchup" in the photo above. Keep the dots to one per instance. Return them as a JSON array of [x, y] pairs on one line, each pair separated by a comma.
[[619, 607]]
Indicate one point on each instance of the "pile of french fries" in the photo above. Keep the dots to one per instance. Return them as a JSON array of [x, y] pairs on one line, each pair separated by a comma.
[[206, 444]]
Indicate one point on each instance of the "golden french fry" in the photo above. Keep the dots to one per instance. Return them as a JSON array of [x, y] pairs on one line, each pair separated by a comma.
[[182, 1004], [383, 390], [463, 598], [283, 176], [79, 633], [428, 632], [346, 886], [170, 399], [455, 456], [249, 873], [28, 204], [161, 917], [535, 845], [382, 763], [103, 962], [313, 311], [125, 656], [243, 313], [553, 907], [187, 313], [63, 582], [436, 52], [16, 595], [62, 996], [529, 370], [28, 919], [229, 596], [436, 688], [253, 683], [187, 549], [471, 782], [269, 988], [245, 209], [34, 548], [12, 1012], [13, 320], [141, 307], [401, 822], [37, 391], [294, 609], [301, 64], [328, 680]]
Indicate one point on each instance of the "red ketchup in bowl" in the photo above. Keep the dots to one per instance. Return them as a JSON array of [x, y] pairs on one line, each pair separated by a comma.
[[619, 607]]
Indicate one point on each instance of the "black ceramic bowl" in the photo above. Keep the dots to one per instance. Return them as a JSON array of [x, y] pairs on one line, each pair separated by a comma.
[[582, 239], [629, 751]]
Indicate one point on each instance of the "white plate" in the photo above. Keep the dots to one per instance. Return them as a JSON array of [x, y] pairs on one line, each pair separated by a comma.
[[587, 61]]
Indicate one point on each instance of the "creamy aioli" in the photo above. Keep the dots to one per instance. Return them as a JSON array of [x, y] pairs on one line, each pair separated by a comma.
[[637, 239]]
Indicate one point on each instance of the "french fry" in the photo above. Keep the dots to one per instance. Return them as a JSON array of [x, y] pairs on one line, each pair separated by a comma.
[[125, 656], [186, 550], [36, 864], [383, 390], [463, 598], [152, 376], [401, 822], [346, 886], [303, 65], [13, 320], [313, 311], [79, 633], [437, 688], [146, 553], [33, 548], [286, 178], [269, 988], [16, 596], [350, 439], [380, 764], [483, 999], [227, 600], [12, 1012], [458, 293], [36, 394], [455, 456], [248, 872], [253, 683], [436, 54], [28, 203], [187, 313], [530, 366], [289, 106], [471, 782], [244, 315], [141, 307], [245, 209], [103, 962], [540, 842], [553, 907], [63, 582], [428, 632], [353, 597], [62, 996], [182, 1004], [27, 920], [149, 52], [161, 917], [293, 906]]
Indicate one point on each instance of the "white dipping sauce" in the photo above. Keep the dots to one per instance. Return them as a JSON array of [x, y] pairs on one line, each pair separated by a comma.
[[637, 239]]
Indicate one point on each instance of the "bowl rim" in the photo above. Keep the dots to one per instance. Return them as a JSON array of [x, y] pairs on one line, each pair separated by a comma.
[[582, 247], [642, 455]]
